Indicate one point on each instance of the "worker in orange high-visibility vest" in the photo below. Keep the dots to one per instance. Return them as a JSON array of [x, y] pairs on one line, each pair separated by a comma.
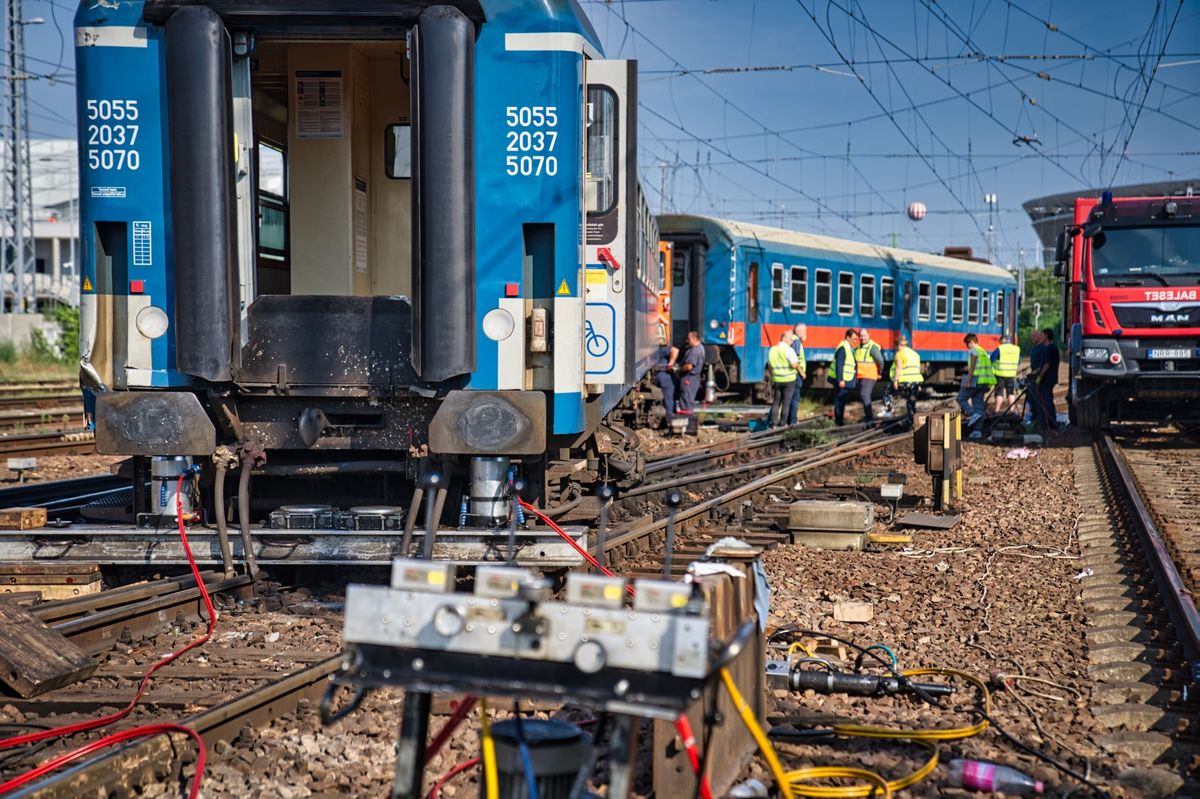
[[868, 359]]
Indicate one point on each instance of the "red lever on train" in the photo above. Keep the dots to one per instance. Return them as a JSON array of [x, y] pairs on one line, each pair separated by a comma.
[[606, 255]]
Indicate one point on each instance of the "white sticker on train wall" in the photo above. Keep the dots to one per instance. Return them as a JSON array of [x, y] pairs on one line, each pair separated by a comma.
[[142, 244], [319, 104], [531, 139]]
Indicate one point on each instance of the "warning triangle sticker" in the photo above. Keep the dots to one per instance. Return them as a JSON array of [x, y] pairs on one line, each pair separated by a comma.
[[87, 284], [563, 289]]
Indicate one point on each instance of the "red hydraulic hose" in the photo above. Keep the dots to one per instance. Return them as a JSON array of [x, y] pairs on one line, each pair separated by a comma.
[[436, 791], [137, 732], [456, 718], [586, 555]]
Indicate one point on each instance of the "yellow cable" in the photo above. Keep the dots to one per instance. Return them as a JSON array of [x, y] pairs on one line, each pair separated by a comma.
[[760, 737], [952, 734], [874, 782], [801, 647], [491, 776]]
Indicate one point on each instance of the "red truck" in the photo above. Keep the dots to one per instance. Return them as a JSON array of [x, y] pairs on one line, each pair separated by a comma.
[[1130, 269]]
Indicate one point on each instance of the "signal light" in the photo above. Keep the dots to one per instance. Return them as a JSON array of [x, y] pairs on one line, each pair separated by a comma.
[[1115, 358]]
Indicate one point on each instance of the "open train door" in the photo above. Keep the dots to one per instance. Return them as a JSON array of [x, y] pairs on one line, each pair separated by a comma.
[[610, 199]]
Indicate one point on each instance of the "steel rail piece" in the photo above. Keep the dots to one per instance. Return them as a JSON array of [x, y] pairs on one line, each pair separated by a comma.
[[1181, 607]]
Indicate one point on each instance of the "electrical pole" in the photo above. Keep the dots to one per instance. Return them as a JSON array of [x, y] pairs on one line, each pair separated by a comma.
[[1021, 274], [990, 199], [17, 257]]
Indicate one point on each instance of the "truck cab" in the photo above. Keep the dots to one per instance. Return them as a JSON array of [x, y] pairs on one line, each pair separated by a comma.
[[1131, 292]]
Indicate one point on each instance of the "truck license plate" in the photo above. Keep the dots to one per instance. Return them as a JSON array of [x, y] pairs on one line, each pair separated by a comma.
[[1169, 353]]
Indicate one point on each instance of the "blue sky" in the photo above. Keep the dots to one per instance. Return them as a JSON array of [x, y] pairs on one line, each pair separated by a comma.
[[799, 111]]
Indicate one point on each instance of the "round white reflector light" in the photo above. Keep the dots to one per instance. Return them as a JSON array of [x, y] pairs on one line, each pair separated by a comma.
[[498, 324], [152, 322]]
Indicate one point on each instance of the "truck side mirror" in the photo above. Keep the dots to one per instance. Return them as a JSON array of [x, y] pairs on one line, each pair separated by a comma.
[[1061, 245]]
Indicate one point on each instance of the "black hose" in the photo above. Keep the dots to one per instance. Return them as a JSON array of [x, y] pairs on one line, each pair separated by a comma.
[[222, 521], [244, 520]]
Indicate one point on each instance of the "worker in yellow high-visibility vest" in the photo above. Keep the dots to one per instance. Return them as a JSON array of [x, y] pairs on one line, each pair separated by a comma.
[[868, 366], [800, 333], [906, 375], [844, 374], [782, 363], [1005, 360], [977, 382]]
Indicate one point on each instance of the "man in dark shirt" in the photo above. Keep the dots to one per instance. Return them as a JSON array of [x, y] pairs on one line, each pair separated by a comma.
[[691, 373], [664, 377], [1047, 377]]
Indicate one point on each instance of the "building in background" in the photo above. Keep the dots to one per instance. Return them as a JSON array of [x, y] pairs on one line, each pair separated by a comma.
[[1052, 213], [55, 280]]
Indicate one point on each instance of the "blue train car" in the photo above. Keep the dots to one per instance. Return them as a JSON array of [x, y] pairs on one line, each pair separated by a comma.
[[741, 285], [351, 239]]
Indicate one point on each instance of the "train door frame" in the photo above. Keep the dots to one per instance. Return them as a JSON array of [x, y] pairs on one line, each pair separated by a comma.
[[755, 256]]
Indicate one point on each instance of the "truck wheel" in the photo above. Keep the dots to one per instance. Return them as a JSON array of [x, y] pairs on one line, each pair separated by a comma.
[[1091, 407]]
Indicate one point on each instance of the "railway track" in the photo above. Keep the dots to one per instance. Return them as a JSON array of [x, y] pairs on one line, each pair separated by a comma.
[[130, 613], [1139, 554], [63, 419], [719, 498], [58, 400], [241, 684], [80, 442]]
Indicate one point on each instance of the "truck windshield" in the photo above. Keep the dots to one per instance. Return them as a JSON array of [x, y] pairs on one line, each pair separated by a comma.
[[1160, 254]]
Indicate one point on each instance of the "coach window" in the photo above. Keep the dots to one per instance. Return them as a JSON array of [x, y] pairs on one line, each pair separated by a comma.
[[956, 304], [1000, 309], [866, 296], [752, 288], [887, 297], [941, 304], [845, 293], [973, 306], [601, 179], [776, 287], [799, 289], [824, 298], [986, 316], [923, 299]]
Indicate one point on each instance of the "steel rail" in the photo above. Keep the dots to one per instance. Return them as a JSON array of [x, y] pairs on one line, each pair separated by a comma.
[[746, 444], [638, 531], [59, 496], [76, 443], [42, 401], [126, 768], [763, 463], [1177, 599]]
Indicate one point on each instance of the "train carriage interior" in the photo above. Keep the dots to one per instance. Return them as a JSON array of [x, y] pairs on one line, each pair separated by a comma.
[[331, 143]]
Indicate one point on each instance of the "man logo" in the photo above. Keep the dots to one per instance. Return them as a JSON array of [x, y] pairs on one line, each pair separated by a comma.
[[1169, 318]]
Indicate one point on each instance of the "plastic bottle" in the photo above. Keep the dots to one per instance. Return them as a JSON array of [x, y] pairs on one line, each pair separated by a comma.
[[462, 512], [979, 775]]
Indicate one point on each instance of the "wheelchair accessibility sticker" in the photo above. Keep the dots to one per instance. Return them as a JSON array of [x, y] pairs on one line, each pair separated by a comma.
[[599, 338]]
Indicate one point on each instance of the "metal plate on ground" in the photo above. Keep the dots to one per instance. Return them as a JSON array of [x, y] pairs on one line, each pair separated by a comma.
[[928, 520]]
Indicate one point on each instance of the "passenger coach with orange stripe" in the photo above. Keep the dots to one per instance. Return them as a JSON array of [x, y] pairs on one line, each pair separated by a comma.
[[742, 284]]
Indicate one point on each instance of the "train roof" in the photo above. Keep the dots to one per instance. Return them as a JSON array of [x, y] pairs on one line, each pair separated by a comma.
[[761, 235]]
